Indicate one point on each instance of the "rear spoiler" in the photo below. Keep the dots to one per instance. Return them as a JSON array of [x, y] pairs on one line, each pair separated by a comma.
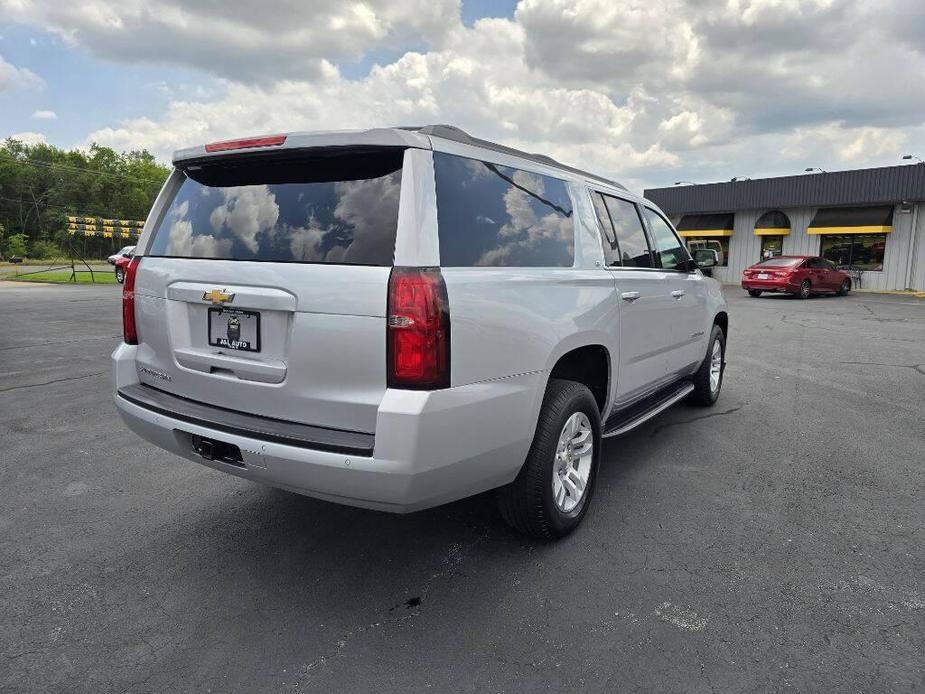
[[378, 137]]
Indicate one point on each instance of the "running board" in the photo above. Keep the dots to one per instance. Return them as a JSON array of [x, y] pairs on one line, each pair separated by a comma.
[[631, 417]]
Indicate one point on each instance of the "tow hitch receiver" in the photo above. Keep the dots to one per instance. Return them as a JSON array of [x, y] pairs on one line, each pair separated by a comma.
[[210, 449]]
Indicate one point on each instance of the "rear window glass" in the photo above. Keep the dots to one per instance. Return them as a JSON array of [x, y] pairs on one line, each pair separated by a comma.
[[340, 209], [779, 262], [489, 214]]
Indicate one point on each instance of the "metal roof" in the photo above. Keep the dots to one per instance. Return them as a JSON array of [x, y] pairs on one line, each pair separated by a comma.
[[451, 132], [889, 184]]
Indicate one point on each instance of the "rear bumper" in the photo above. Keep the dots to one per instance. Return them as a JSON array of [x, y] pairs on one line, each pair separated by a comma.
[[770, 285], [429, 448]]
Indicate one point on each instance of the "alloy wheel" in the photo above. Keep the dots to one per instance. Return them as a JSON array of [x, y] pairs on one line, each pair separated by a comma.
[[572, 466], [716, 366]]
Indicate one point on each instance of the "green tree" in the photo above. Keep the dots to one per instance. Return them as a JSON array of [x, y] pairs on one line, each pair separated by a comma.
[[16, 245], [40, 185]]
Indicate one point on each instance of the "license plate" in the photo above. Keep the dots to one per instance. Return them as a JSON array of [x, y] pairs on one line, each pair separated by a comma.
[[763, 275], [234, 329]]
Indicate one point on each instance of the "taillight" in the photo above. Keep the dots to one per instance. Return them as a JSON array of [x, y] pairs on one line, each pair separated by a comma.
[[129, 331], [418, 331]]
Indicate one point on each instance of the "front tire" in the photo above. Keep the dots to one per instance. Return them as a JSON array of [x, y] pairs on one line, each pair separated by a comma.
[[754, 292], [844, 288], [805, 288], [120, 275], [708, 380], [552, 492]]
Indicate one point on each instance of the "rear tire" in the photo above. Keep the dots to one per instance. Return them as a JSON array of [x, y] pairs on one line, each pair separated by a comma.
[[120, 275], [844, 288], [805, 290], [529, 504], [707, 380], [754, 292]]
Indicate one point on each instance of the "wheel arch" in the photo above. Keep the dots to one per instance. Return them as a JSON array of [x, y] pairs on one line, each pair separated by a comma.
[[722, 320], [589, 364]]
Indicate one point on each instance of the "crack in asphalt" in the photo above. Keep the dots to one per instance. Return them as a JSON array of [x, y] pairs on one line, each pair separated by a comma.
[[918, 368], [662, 427], [57, 380], [455, 556]]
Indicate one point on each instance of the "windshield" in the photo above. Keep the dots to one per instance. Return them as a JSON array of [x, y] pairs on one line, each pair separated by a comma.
[[341, 208]]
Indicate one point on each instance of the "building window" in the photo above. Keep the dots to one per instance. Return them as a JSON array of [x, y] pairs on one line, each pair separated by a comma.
[[862, 251], [771, 246], [720, 244]]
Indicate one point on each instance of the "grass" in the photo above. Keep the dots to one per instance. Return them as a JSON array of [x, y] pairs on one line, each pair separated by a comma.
[[102, 277], [57, 260]]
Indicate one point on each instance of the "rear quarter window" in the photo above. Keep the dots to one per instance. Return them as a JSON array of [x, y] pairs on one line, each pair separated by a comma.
[[492, 215], [337, 209]]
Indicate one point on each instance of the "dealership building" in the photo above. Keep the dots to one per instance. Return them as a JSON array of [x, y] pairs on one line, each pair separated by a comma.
[[870, 221]]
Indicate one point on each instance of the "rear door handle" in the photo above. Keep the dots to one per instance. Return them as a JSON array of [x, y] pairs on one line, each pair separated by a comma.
[[629, 296], [677, 293]]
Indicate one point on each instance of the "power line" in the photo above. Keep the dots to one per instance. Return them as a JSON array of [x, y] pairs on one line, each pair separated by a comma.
[[29, 203], [51, 165]]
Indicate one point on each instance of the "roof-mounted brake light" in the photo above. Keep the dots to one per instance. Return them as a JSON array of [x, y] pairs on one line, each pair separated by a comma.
[[247, 143]]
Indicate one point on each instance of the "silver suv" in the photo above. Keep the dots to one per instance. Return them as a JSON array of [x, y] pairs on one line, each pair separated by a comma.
[[398, 318]]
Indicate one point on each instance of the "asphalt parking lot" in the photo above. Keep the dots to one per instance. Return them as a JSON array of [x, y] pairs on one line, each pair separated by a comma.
[[776, 541]]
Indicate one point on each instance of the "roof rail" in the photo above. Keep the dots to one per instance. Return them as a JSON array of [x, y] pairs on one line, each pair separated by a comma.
[[451, 132]]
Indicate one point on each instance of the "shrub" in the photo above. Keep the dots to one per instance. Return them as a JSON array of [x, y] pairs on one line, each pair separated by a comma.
[[45, 249], [16, 245]]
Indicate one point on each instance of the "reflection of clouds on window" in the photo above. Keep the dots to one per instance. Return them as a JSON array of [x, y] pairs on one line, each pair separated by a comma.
[[182, 242], [304, 243], [491, 215], [364, 206], [246, 212], [360, 227], [530, 222], [474, 170], [351, 221]]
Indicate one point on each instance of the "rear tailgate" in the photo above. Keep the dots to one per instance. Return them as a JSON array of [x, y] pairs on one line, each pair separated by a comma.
[[263, 289]]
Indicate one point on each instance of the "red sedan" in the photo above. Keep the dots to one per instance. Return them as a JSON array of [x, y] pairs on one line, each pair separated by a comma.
[[802, 275], [121, 263]]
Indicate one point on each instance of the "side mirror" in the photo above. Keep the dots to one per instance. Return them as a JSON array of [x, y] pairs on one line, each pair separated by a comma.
[[706, 257], [127, 255]]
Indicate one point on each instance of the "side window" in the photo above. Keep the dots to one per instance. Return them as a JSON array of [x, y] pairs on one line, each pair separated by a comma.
[[609, 241], [631, 238], [668, 249], [488, 214]]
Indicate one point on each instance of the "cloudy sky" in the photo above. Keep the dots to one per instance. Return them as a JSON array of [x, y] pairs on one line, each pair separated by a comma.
[[647, 91]]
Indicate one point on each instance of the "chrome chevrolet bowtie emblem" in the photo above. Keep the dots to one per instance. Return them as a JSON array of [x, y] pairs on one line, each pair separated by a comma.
[[218, 297]]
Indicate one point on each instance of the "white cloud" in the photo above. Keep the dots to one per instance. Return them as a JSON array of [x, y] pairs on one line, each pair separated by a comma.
[[14, 78], [645, 91], [45, 115], [30, 138], [238, 39]]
